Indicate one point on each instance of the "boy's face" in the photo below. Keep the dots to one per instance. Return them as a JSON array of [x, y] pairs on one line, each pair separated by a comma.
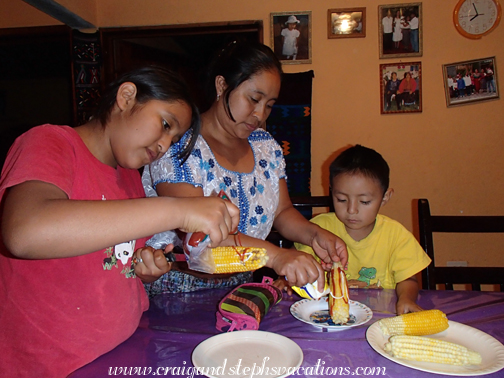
[[357, 200]]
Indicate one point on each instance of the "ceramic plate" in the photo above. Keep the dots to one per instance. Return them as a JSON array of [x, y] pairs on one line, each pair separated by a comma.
[[220, 355], [491, 350], [316, 313]]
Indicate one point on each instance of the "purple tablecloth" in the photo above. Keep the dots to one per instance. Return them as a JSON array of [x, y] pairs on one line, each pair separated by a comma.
[[176, 323]]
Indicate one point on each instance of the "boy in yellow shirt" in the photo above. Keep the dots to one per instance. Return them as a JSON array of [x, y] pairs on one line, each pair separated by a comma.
[[382, 253]]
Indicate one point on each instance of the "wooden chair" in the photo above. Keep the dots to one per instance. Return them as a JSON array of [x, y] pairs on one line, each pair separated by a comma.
[[305, 205], [310, 202], [432, 275]]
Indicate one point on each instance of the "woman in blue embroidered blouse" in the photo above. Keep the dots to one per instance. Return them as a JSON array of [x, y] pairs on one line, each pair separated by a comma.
[[234, 154]]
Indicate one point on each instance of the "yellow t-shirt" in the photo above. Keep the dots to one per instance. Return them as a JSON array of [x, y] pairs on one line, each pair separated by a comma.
[[388, 255]]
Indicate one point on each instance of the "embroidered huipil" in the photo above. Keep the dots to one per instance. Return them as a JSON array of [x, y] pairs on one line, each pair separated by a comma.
[[255, 193]]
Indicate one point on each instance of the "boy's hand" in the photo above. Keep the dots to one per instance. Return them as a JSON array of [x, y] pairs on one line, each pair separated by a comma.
[[150, 263], [329, 248], [407, 293], [282, 284], [403, 306]]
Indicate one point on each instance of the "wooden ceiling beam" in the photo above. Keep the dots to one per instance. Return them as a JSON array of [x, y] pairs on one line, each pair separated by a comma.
[[60, 13]]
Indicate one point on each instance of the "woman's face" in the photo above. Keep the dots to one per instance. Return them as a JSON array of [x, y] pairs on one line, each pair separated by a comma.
[[145, 134], [407, 76], [251, 102], [394, 76]]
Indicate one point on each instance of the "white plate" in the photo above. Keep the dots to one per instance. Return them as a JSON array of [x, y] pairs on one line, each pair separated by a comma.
[[491, 350], [219, 356], [316, 313]]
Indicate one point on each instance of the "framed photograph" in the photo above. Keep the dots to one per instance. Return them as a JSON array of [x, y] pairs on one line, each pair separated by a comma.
[[346, 23], [470, 81], [291, 36], [401, 87], [400, 30]]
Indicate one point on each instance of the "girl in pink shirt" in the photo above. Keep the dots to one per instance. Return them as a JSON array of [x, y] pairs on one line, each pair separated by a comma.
[[74, 218]]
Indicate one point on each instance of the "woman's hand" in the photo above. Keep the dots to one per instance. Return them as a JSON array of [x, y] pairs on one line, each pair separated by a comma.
[[299, 268], [151, 263], [329, 248]]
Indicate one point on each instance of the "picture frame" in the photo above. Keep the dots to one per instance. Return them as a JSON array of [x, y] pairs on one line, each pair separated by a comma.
[[400, 30], [400, 93], [346, 23], [474, 76], [291, 46]]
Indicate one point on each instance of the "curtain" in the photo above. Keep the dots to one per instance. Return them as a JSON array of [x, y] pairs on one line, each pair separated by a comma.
[[290, 124]]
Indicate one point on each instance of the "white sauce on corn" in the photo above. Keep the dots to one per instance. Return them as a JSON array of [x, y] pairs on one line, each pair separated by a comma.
[[344, 287]]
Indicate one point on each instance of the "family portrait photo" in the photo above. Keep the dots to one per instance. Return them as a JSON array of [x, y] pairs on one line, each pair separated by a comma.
[[291, 36], [470, 81], [401, 88], [400, 32], [346, 23]]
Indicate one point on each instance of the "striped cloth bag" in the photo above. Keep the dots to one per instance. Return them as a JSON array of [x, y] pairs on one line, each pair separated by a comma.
[[246, 305]]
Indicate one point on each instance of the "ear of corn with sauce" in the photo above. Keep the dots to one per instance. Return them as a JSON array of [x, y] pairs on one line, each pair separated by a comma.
[[338, 296], [238, 259]]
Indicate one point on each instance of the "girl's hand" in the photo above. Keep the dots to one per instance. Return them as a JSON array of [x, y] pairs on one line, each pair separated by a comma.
[[329, 248], [150, 263], [299, 268], [211, 215]]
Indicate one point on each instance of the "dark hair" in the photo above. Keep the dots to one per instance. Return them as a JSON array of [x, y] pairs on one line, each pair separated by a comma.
[[359, 159], [152, 83], [238, 62]]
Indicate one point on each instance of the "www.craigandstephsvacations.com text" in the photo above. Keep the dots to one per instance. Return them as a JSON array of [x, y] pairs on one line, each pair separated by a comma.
[[256, 370]]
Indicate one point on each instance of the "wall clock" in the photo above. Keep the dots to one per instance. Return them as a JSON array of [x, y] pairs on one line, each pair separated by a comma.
[[476, 18]]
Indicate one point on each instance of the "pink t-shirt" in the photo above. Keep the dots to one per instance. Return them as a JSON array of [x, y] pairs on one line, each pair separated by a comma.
[[58, 315]]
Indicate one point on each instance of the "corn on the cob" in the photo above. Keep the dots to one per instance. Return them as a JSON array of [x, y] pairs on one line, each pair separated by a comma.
[[338, 297], [238, 259], [418, 323], [418, 348]]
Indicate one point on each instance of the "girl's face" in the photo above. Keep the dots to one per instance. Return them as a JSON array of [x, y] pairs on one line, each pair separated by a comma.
[[357, 199], [292, 25], [145, 134], [251, 102]]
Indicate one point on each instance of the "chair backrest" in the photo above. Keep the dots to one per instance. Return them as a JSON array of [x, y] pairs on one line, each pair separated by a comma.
[[311, 202], [432, 275], [305, 205]]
